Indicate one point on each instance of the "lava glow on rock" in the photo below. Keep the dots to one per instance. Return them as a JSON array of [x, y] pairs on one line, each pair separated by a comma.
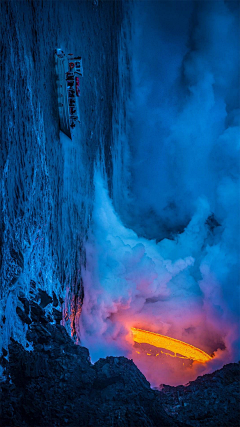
[[176, 346]]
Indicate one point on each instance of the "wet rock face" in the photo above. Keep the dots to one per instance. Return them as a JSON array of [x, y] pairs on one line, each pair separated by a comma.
[[35, 201], [210, 400], [56, 384]]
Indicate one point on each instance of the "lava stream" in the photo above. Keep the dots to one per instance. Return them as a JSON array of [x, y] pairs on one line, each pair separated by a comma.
[[176, 346]]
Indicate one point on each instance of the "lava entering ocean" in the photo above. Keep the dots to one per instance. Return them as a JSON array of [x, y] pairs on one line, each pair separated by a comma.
[[176, 346]]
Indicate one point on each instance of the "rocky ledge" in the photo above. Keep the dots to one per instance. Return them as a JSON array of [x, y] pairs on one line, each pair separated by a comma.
[[55, 384], [210, 400]]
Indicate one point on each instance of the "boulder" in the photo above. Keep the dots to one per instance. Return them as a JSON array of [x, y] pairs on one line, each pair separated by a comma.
[[37, 313], [23, 316], [45, 299]]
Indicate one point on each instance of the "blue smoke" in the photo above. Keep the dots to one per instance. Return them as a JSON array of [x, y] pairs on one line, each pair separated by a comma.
[[186, 106]]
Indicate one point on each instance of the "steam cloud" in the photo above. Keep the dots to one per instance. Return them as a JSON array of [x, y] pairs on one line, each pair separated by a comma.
[[180, 279]]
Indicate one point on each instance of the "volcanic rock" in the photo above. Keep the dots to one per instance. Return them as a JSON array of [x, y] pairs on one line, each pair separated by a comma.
[[23, 316], [17, 255], [210, 400], [57, 315], [44, 297], [4, 352], [25, 303], [55, 300], [37, 313], [56, 384]]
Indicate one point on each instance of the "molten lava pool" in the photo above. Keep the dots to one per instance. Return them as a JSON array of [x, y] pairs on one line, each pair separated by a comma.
[[176, 346]]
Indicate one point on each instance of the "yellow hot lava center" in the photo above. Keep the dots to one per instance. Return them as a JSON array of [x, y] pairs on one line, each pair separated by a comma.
[[176, 346]]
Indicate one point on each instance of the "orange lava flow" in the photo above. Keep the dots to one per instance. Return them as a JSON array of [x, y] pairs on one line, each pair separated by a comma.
[[176, 346]]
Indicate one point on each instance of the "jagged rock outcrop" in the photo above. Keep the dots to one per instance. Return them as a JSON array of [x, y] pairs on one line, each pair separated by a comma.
[[56, 384], [210, 400]]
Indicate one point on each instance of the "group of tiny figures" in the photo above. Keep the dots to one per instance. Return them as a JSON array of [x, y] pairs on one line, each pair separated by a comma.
[[71, 96], [71, 91], [71, 99]]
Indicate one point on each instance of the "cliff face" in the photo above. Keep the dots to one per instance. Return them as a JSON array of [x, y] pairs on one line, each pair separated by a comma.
[[55, 384], [46, 188]]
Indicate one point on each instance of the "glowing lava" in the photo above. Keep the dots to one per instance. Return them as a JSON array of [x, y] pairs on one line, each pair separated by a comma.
[[176, 346]]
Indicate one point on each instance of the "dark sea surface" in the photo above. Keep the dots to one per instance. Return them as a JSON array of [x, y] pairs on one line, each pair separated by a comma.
[[46, 180]]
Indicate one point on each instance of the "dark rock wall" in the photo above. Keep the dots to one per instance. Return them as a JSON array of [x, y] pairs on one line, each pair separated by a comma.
[[56, 385]]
